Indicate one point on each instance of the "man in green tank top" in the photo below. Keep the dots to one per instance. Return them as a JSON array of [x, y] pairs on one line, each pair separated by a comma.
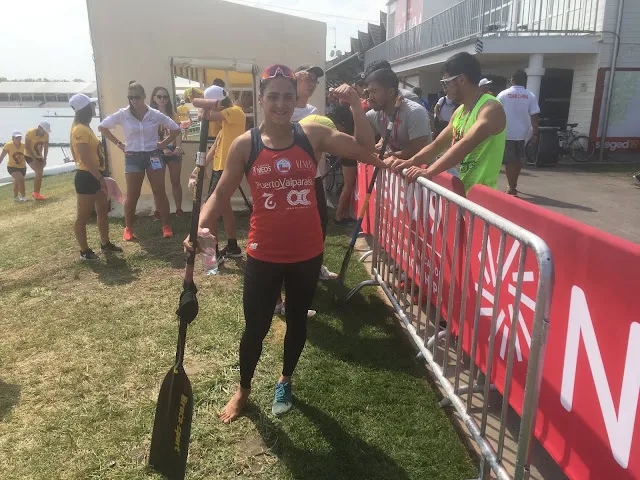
[[476, 132]]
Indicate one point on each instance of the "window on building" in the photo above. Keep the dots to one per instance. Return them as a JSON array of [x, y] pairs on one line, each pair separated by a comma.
[[192, 76]]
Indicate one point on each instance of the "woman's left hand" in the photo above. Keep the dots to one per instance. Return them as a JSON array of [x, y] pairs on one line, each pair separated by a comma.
[[178, 151]]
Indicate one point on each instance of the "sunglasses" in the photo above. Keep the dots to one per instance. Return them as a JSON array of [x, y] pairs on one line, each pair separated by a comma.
[[278, 71], [163, 97], [134, 97], [446, 81]]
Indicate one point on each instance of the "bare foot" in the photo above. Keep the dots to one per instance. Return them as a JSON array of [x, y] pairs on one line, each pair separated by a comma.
[[235, 406]]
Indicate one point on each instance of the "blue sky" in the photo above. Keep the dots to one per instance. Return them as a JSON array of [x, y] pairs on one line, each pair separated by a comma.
[[55, 42]]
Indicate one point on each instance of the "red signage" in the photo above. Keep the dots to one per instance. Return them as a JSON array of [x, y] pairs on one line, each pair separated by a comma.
[[623, 131], [588, 408]]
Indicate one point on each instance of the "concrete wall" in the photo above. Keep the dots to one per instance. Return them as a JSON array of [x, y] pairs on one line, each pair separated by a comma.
[[583, 90], [126, 48], [629, 54]]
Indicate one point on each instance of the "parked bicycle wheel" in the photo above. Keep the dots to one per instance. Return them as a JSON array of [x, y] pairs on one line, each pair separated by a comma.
[[531, 153], [582, 149]]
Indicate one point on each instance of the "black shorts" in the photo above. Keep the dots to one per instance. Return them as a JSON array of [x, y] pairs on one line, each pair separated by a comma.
[[86, 183], [513, 151], [13, 170], [216, 175], [347, 162]]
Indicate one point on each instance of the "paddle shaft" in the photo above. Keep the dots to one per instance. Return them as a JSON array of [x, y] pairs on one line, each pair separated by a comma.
[[193, 234], [372, 182]]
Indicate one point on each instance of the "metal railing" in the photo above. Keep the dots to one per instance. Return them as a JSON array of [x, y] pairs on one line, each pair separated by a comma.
[[425, 241], [489, 18]]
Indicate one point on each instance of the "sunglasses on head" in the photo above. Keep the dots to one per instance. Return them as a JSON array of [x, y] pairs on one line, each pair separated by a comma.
[[165, 97], [446, 81], [134, 97], [278, 71]]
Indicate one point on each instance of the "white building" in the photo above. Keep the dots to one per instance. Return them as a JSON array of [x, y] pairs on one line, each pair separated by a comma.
[[226, 40], [39, 92], [565, 46]]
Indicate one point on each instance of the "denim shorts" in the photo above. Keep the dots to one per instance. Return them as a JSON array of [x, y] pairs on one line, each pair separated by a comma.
[[139, 162]]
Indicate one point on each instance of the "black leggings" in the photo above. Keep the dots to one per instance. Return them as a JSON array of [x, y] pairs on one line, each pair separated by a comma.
[[262, 284], [321, 199]]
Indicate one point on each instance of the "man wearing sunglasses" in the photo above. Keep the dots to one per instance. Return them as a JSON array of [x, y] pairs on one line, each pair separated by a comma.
[[475, 134]]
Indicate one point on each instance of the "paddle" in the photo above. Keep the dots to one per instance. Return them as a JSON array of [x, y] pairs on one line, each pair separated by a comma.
[[365, 203], [172, 425]]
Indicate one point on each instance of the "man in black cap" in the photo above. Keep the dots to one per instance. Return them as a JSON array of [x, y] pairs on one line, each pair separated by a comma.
[[383, 64], [307, 77]]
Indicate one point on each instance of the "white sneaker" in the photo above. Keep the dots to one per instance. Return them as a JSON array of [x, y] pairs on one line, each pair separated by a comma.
[[326, 274], [17, 199], [24, 199], [279, 310]]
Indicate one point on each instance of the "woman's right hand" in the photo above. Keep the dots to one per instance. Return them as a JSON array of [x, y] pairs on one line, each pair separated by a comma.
[[122, 146], [188, 248]]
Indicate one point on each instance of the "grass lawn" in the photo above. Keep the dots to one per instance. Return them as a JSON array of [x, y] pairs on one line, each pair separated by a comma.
[[84, 348]]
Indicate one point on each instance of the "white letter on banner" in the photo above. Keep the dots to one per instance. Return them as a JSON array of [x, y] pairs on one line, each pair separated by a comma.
[[619, 427], [432, 211]]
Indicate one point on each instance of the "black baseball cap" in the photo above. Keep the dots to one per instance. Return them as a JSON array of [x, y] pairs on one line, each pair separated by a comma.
[[359, 78], [311, 68]]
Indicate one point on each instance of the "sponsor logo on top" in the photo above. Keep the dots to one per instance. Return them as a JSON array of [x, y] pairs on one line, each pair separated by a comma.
[[283, 166], [299, 197], [307, 165], [261, 169], [284, 183]]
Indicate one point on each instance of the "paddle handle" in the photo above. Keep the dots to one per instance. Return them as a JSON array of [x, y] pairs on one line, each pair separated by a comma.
[[201, 161]]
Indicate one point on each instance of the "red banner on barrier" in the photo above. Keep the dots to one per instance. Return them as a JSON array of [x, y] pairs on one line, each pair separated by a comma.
[[588, 408], [499, 292]]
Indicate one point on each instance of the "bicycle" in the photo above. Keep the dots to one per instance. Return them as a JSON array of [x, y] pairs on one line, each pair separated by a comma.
[[579, 147]]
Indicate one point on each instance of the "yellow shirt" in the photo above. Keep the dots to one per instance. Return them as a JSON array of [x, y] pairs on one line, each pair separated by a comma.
[[15, 154], [183, 113], [232, 127], [37, 143], [322, 120], [83, 134], [214, 128]]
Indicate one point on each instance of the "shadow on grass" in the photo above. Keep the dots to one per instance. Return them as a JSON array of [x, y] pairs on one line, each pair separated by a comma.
[[114, 271], [365, 333], [9, 398], [349, 457]]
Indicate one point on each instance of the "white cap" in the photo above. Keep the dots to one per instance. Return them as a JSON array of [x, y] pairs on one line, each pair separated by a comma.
[[484, 81], [80, 100], [181, 101], [215, 93], [45, 126], [16, 133]]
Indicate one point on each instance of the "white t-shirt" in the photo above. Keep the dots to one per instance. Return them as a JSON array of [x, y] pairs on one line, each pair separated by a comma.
[[447, 107], [300, 112], [519, 104]]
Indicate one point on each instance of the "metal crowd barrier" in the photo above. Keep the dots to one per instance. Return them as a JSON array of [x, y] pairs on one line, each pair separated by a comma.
[[402, 257]]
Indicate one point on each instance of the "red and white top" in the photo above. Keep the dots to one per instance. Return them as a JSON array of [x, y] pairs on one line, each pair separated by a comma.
[[285, 225]]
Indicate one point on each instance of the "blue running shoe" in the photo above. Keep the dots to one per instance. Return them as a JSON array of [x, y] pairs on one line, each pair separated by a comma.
[[283, 400]]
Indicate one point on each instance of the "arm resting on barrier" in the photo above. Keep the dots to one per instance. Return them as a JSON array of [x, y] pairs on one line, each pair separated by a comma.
[[324, 139], [491, 120], [427, 154]]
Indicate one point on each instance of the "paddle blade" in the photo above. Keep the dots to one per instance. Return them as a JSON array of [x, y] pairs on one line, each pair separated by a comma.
[[172, 426]]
